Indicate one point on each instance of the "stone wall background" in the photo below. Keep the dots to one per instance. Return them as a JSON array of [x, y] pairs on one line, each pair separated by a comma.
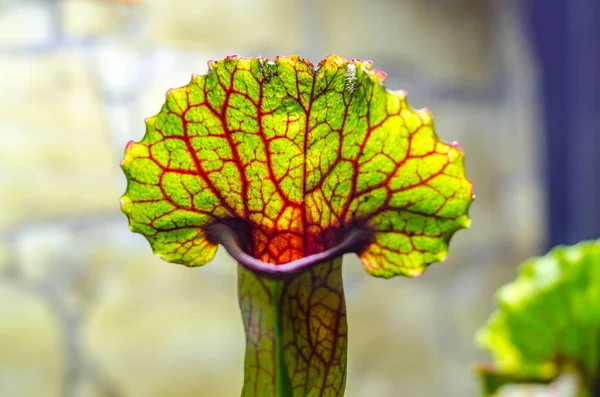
[[87, 311]]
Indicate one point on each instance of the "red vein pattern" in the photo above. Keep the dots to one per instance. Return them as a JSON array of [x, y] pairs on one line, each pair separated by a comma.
[[293, 158], [300, 155], [306, 349]]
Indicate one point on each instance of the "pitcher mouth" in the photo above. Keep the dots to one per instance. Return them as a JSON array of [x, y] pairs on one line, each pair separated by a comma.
[[355, 241]]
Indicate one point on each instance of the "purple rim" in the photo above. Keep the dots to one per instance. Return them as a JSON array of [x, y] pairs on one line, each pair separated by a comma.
[[224, 235]]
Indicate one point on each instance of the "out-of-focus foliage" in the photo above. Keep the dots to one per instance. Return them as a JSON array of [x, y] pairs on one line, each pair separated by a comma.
[[548, 321]]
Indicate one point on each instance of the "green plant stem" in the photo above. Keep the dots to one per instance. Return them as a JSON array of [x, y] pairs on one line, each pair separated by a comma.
[[296, 332]]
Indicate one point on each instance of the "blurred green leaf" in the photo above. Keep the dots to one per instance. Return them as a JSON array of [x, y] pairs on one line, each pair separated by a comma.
[[547, 321]]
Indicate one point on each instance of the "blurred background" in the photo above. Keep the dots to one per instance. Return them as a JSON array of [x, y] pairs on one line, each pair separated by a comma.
[[86, 310]]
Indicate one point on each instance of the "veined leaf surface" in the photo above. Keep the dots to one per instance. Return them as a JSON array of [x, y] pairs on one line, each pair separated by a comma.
[[294, 159], [547, 321], [300, 155]]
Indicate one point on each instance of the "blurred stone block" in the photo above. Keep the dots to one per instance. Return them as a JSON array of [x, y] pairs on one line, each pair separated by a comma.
[[97, 18], [136, 317], [166, 330], [44, 252], [54, 149], [87, 388], [31, 346], [392, 339], [25, 23], [227, 24], [443, 39]]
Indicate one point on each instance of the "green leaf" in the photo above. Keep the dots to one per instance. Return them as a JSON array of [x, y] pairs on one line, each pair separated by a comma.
[[548, 320], [289, 166], [301, 155]]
